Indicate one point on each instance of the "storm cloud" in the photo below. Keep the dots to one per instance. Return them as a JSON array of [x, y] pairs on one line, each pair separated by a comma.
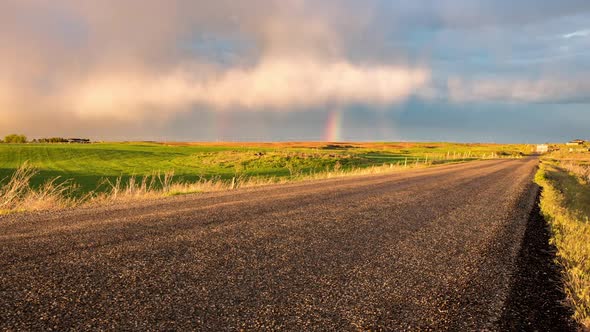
[[123, 60]]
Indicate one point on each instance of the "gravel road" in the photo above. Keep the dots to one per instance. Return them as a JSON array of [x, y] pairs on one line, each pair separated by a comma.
[[429, 249]]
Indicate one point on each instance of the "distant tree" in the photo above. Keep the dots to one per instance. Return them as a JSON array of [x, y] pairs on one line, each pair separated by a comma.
[[53, 140], [14, 138]]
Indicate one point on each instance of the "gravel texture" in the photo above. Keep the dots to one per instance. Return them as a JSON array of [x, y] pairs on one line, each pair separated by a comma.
[[430, 249]]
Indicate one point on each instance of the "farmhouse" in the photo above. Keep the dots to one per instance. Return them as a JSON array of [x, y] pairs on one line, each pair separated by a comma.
[[576, 142]]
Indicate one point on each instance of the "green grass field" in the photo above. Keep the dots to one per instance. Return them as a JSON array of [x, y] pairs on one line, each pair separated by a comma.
[[88, 165]]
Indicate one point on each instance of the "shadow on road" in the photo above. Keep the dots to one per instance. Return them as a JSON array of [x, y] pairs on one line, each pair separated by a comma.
[[536, 300]]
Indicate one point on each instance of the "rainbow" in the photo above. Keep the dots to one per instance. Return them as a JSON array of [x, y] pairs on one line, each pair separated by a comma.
[[333, 127]]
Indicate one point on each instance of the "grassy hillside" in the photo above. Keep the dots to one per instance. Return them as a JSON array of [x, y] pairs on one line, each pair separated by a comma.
[[565, 203], [88, 165]]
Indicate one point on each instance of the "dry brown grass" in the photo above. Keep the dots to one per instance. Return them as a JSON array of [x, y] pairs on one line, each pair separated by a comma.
[[17, 194], [161, 185], [565, 203], [580, 170]]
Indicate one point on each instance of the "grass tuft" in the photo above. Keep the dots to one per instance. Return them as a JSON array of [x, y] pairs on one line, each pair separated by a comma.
[[17, 194]]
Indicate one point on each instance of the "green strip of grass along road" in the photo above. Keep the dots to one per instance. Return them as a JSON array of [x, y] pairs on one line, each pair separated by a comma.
[[565, 204], [83, 172]]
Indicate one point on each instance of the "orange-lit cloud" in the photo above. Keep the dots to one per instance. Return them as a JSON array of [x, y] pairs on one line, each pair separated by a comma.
[[86, 60], [275, 83]]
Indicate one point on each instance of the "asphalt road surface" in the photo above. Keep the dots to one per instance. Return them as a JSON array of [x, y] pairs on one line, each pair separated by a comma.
[[425, 249]]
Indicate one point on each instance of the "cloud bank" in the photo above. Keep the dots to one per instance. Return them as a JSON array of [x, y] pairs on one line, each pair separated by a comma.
[[131, 60], [517, 90], [276, 84]]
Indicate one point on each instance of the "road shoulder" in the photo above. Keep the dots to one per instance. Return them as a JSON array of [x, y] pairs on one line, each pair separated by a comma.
[[535, 302]]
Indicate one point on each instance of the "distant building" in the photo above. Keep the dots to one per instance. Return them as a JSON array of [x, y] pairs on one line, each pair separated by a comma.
[[79, 140], [542, 148], [576, 142]]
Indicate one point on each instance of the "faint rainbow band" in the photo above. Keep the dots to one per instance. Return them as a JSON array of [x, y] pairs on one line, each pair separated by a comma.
[[332, 132]]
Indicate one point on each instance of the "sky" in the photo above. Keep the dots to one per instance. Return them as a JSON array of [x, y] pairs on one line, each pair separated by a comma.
[[304, 70]]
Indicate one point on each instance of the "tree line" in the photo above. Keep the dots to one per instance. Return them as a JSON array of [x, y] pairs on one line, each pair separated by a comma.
[[19, 139], [14, 138]]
